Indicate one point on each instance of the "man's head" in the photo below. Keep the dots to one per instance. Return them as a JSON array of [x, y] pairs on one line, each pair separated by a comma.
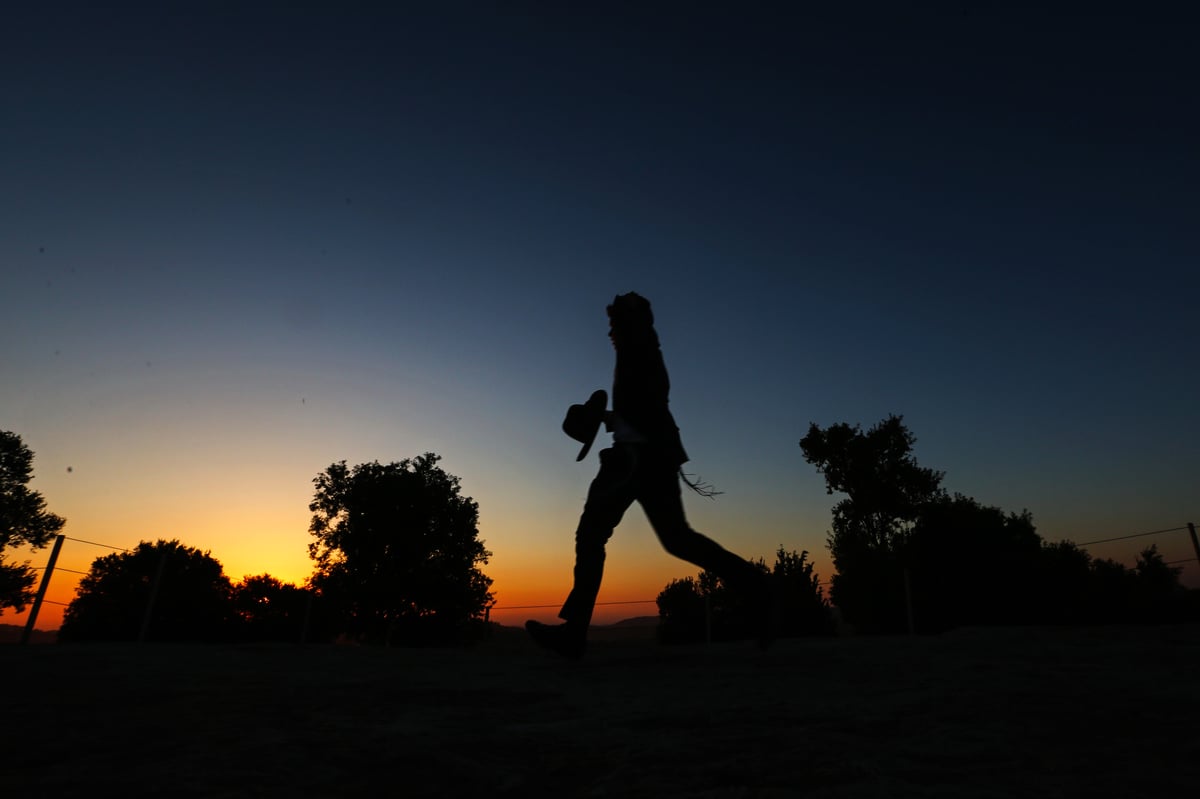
[[631, 308], [630, 318]]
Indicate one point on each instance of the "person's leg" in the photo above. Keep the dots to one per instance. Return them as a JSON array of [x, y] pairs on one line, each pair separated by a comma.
[[660, 496], [609, 495], [661, 499]]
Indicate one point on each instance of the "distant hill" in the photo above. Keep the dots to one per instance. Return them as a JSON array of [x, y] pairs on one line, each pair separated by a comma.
[[637, 621], [11, 634], [638, 628]]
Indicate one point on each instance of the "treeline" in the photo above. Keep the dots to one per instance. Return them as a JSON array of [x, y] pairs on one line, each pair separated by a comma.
[[167, 591], [908, 556], [907, 552], [702, 608], [397, 560]]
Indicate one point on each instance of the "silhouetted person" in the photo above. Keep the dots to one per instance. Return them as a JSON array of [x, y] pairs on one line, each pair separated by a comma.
[[643, 465]]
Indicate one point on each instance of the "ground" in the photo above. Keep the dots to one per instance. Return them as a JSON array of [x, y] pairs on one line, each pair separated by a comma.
[[975, 713]]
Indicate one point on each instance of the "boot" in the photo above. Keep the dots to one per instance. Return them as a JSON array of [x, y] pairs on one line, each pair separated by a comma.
[[568, 640]]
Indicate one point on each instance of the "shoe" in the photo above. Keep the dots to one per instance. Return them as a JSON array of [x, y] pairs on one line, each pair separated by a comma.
[[562, 639]]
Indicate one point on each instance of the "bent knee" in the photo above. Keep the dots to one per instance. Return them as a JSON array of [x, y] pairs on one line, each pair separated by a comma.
[[682, 542]]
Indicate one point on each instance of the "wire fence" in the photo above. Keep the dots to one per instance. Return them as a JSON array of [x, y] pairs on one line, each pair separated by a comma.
[[826, 583], [1133, 535], [51, 567], [95, 544], [1190, 528], [48, 571], [532, 607]]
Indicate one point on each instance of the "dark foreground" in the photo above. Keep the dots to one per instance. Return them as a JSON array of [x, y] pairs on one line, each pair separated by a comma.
[[976, 713]]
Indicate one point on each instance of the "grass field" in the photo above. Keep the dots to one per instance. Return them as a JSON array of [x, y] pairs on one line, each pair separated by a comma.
[[975, 713]]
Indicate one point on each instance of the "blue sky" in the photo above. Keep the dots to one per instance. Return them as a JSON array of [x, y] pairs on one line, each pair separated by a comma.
[[239, 245]]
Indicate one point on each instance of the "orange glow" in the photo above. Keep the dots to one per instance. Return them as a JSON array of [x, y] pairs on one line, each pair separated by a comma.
[[264, 530], [540, 580]]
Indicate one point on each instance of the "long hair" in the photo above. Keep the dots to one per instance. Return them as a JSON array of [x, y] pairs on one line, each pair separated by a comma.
[[631, 321]]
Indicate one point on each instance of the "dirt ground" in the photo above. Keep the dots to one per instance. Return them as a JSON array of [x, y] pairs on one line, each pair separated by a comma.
[[975, 713]]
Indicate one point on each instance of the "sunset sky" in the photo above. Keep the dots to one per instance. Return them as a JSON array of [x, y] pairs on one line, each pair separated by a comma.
[[240, 244]]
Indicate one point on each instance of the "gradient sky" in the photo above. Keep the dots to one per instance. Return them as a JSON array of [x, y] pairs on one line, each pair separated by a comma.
[[238, 245]]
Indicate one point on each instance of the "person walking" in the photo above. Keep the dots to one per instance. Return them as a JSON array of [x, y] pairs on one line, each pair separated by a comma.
[[643, 465]]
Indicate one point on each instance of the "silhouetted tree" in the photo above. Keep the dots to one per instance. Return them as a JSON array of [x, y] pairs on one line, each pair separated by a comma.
[[1063, 584], [268, 609], [1158, 588], [682, 611], [691, 608], [398, 552], [1113, 593], [24, 520], [802, 604], [192, 603], [886, 491], [1072, 588], [971, 564], [898, 535]]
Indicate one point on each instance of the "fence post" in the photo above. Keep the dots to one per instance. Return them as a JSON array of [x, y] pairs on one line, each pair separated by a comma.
[[307, 617], [162, 563], [912, 630], [707, 620], [41, 594], [1195, 541]]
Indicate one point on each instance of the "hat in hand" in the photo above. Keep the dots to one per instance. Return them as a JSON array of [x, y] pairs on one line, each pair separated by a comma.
[[583, 421]]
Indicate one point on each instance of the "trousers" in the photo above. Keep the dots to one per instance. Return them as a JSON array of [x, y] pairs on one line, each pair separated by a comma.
[[628, 473]]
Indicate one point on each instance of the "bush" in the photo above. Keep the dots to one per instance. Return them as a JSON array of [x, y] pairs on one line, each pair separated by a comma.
[[696, 609]]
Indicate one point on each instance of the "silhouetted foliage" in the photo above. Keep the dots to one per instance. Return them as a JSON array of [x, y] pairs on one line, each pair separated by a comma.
[[1113, 590], [1072, 588], [970, 564], [192, 603], [692, 608], [268, 609], [898, 538], [886, 491], [398, 552], [802, 604], [24, 520], [1158, 589], [1063, 583], [16, 585], [1149, 592], [682, 610]]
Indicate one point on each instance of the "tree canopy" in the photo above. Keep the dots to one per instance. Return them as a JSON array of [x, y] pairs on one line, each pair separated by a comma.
[[692, 608], [268, 609], [24, 520], [907, 553], [885, 487], [397, 551], [971, 564], [886, 490], [192, 602]]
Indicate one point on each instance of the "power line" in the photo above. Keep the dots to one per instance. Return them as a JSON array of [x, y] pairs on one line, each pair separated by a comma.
[[521, 607], [530, 607], [624, 602], [93, 543], [1134, 535]]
